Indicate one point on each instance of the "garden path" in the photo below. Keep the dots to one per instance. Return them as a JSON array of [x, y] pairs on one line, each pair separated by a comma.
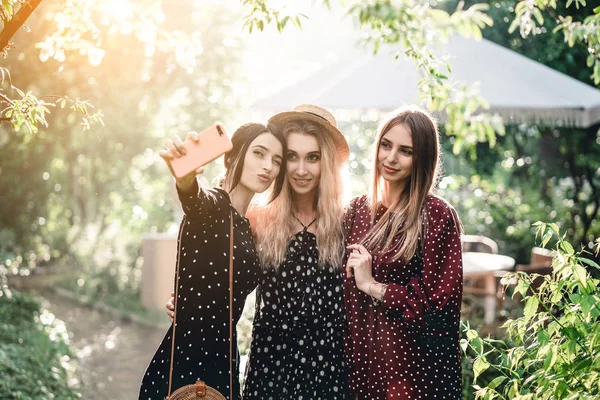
[[113, 353]]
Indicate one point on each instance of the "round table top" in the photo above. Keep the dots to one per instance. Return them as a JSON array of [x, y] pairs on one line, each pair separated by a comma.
[[481, 263]]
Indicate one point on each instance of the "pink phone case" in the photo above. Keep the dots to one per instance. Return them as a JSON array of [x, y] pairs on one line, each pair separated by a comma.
[[213, 143]]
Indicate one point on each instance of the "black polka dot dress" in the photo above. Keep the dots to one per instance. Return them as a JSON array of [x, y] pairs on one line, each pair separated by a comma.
[[297, 339], [202, 333], [407, 347]]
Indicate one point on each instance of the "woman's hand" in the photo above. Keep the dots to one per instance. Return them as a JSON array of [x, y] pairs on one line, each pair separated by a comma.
[[170, 306], [174, 149], [361, 262]]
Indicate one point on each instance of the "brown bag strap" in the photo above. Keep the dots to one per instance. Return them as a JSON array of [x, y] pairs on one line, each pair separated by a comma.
[[230, 307]]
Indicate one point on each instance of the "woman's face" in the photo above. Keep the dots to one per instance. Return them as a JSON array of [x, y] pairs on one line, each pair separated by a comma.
[[303, 163], [395, 155], [262, 163]]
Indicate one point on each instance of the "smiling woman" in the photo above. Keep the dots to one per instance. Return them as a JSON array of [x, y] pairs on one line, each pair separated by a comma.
[[303, 160], [403, 287], [297, 347]]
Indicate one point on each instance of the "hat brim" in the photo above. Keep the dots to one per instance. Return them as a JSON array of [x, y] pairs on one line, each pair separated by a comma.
[[341, 145]]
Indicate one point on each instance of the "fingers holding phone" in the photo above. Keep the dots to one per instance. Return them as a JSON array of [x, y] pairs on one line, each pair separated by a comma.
[[186, 159], [176, 149]]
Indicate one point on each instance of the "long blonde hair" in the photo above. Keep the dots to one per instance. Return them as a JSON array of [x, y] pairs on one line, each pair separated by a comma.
[[407, 213], [273, 224]]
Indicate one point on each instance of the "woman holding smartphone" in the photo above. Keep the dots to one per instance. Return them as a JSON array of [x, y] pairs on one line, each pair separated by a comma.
[[202, 348], [297, 338], [403, 303]]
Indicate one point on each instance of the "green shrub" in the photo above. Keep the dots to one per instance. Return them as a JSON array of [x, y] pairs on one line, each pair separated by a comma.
[[35, 359], [554, 348]]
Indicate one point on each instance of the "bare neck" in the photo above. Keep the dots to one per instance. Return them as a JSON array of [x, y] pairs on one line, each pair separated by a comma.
[[304, 206], [391, 192], [240, 199]]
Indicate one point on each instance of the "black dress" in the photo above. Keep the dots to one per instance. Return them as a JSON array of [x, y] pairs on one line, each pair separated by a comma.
[[297, 339], [202, 334]]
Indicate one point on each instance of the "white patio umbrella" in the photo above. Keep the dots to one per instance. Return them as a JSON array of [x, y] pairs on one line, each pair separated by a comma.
[[516, 87]]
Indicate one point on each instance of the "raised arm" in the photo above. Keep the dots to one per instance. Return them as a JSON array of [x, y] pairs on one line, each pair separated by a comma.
[[196, 202]]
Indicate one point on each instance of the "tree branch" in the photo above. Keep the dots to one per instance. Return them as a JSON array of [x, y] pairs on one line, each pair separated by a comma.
[[6, 99], [11, 27]]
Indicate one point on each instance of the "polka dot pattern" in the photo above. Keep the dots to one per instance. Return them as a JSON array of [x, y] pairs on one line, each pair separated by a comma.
[[408, 346], [202, 334], [297, 349]]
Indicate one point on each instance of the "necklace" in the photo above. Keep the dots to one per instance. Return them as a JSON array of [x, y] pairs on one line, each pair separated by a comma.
[[305, 226]]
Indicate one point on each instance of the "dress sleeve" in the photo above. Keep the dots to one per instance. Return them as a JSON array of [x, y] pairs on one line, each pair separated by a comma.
[[350, 216], [198, 203], [433, 302]]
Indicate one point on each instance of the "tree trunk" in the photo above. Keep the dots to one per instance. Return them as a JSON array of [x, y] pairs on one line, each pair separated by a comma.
[[11, 27]]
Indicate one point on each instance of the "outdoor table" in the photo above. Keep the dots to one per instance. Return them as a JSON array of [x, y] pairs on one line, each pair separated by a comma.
[[486, 267]]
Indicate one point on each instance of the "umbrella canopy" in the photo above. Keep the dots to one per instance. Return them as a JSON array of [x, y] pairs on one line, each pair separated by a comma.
[[517, 88]]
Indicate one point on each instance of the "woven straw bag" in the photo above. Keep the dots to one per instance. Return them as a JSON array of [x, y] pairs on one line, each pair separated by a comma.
[[201, 390], [197, 391]]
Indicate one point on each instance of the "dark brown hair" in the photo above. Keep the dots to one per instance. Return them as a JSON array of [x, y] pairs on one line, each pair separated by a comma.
[[234, 159]]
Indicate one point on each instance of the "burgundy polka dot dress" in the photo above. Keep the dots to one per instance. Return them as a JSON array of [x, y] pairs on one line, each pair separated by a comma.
[[407, 347], [202, 334]]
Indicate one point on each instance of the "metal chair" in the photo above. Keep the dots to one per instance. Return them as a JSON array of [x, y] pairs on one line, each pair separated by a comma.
[[478, 244]]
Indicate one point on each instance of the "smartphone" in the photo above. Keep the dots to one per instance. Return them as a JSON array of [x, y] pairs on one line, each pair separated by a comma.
[[212, 144]]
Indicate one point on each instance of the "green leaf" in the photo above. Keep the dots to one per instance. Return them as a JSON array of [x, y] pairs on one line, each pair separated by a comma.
[[538, 16], [464, 345], [479, 366], [567, 247], [543, 337], [589, 262], [477, 345], [546, 238], [587, 302], [513, 26], [557, 295], [521, 287], [496, 382], [297, 22], [531, 307], [551, 358], [580, 273], [284, 21], [472, 334]]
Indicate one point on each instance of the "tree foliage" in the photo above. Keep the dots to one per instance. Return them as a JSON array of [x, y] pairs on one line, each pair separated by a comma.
[[553, 167], [413, 26], [93, 194], [555, 346], [35, 356]]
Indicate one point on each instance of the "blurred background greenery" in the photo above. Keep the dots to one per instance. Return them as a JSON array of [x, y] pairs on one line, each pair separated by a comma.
[[83, 199], [87, 197]]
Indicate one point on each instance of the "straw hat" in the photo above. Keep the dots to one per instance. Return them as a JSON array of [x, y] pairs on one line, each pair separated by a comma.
[[320, 116]]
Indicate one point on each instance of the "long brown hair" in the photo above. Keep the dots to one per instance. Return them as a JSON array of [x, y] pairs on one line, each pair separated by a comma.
[[406, 214], [234, 159], [273, 224]]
